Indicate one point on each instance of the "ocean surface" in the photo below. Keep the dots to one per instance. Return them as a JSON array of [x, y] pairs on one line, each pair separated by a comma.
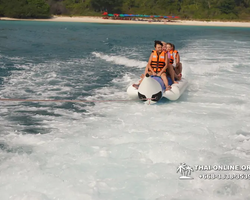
[[121, 150]]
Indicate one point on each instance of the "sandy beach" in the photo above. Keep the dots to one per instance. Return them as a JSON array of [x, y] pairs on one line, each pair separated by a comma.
[[103, 21]]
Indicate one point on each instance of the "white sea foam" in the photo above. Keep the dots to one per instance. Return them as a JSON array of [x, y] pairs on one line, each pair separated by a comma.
[[121, 60], [127, 150]]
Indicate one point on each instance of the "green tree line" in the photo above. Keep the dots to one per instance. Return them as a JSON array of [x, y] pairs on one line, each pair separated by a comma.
[[186, 9], [24, 8]]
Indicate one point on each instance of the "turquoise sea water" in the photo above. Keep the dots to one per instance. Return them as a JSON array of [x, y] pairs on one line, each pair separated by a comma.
[[120, 150]]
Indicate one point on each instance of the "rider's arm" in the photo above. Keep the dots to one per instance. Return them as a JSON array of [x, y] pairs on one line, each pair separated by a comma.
[[166, 65], [177, 58], [149, 62], [146, 70]]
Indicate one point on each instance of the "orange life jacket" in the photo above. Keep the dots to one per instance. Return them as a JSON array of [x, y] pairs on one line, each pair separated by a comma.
[[158, 61], [173, 56]]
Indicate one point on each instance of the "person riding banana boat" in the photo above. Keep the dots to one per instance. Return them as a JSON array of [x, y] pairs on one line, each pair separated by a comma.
[[158, 65], [174, 60]]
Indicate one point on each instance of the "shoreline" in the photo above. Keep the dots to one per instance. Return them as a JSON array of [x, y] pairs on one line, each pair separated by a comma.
[[100, 20]]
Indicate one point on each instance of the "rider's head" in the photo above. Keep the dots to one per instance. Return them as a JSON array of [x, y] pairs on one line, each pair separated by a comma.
[[158, 46], [169, 46]]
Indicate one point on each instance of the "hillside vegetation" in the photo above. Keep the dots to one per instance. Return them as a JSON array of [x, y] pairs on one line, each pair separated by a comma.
[[185, 9]]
